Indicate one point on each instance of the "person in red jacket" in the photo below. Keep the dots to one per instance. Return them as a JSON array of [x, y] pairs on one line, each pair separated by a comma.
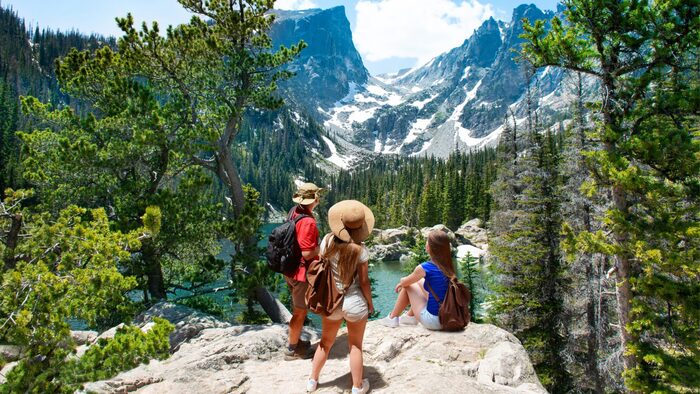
[[307, 197]]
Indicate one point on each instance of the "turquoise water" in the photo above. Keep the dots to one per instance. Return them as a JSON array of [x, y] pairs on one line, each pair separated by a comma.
[[386, 275]]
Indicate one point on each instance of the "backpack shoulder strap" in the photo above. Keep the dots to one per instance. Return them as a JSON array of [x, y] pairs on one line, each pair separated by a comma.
[[298, 218], [432, 292]]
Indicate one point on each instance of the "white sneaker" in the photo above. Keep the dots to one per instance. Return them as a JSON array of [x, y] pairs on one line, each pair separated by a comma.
[[362, 390], [389, 321], [311, 385], [408, 320]]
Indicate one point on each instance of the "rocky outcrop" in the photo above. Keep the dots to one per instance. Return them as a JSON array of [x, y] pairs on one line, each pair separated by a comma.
[[391, 252], [408, 359], [473, 233], [391, 244]]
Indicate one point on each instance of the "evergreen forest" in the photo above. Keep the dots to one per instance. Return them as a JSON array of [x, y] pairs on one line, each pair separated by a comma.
[[124, 169]]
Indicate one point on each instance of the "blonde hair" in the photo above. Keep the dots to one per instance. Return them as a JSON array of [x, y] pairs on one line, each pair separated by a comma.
[[440, 252], [348, 256]]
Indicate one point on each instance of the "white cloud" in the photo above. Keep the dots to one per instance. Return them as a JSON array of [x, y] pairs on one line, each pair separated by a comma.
[[414, 28], [295, 4]]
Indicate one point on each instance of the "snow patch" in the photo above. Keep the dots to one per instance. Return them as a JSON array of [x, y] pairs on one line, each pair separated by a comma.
[[361, 116], [418, 127], [377, 90], [421, 103], [335, 158], [422, 150], [462, 251], [377, 146], [465, 74]]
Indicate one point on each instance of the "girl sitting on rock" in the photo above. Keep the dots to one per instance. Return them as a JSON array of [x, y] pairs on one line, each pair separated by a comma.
[[351, 222], [414, 289]]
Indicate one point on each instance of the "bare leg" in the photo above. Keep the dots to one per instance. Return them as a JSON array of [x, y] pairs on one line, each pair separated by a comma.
[[328, 333], [401, 304], [356, 332], [417, 297], [295, 325]]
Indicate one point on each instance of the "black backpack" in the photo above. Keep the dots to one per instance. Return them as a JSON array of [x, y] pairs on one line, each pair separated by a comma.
[[283, 253]]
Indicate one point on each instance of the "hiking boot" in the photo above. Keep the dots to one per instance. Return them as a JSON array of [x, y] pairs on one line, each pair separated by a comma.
[[303, 351], [389, 321], [361, 390], [408, 320]]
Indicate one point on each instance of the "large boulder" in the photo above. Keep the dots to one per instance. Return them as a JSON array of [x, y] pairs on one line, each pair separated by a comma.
[[472, 232], [439, 227], [84, 337], [188, 322], [408, 359], [10, 352], [390, 252], [393, 235]]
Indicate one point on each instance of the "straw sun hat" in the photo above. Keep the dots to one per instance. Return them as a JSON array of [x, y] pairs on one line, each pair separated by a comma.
[[306, 193], [351, 220]]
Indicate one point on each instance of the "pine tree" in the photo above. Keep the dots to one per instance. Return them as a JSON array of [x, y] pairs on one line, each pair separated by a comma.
[[644, 55], [526, 249]]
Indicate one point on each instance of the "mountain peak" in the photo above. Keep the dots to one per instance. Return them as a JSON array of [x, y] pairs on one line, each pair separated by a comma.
[[529, 11]]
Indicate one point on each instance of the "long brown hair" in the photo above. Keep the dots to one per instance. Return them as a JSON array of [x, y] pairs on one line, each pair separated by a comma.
[[441, 252], [348, 257]]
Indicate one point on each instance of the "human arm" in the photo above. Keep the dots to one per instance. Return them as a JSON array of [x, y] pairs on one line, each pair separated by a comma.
[[363, 274], [413, 277], [310, 255]]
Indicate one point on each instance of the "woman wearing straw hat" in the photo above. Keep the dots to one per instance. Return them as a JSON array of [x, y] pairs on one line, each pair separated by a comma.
[[351, 222]]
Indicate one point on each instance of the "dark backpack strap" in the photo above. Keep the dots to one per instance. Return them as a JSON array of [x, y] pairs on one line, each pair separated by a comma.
[[298, 218], [432, 292]]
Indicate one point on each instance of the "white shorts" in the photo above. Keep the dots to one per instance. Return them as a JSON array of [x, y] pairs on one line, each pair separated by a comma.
[[430, 321], [354, 308]]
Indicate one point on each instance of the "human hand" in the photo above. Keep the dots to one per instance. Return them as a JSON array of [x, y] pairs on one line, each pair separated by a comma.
[[398, 288]]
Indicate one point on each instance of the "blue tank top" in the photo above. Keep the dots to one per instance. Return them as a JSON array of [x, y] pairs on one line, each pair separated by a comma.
[[438, 281]]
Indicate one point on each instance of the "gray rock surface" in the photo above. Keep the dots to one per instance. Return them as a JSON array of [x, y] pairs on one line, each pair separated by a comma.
[[390, 252], [408, 359], [472, 232], [440, 227], [84, 337], [392, 235], [10, 352], [188, 322]]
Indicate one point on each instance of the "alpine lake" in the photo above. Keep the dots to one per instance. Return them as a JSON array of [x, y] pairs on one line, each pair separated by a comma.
[[384, 275]]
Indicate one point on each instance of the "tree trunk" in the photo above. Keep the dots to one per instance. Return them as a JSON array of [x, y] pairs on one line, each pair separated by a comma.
[[623, 288], [277, 312], [228, 174], [154, 273], [11, 242], [592, 330], [612, 121]]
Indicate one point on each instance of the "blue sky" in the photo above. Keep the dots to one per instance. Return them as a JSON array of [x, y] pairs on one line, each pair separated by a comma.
[[389, 34]]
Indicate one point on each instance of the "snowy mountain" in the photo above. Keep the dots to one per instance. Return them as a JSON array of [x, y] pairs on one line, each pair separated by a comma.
[[458, 100]]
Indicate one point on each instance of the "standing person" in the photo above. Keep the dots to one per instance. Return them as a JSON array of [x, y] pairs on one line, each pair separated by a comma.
[[307, 197], [414, 289], [351, 222]]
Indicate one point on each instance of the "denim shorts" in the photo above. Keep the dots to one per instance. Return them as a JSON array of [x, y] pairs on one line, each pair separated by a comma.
[[430, 321]]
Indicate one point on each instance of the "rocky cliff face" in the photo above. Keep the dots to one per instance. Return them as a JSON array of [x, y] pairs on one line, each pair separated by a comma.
[[408, 359], [330, 63], [458, 100]]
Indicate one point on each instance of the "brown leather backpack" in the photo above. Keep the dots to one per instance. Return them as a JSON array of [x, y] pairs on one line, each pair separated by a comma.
[[454, 312], [322, 296]]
